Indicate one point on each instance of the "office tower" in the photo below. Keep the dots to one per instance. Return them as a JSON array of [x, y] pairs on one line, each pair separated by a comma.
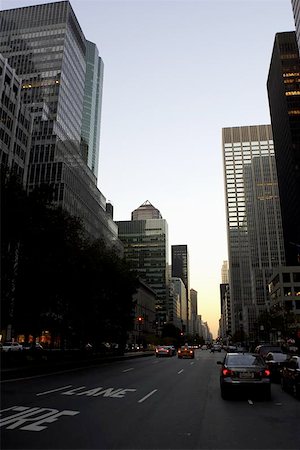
[[179, 291], [146, 211], [92, 103], [224, 272], [194, 310], [15, 123], [174, 304], [284, 101], [254, 228], [145, 242], [46, 47], [180, 269], [296, 12]]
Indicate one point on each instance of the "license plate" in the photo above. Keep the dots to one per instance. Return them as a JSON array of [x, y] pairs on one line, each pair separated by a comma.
[[246, 375]]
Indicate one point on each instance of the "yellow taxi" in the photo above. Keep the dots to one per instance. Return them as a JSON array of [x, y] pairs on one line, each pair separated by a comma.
[[186, 351]]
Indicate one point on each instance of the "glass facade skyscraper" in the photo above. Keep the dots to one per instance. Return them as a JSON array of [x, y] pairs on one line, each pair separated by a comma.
[[254, 228], [15, 124], [284, 101], [92, 103], [47, 48], [180, 269], [146, 249]]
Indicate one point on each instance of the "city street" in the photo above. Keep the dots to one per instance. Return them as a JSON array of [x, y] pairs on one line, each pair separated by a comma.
[[144, 403]]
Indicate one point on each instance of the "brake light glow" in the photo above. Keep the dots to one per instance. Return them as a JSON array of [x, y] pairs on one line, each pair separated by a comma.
[[226, 372], [267, 373]]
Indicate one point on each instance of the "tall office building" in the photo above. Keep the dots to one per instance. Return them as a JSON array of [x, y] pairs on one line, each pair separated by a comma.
[[224, 272], [296, 12], [46, 47], [284, 100], [145, 243], [15, 123], [194, 311], [180, 269], [92, 104], [254, 228]]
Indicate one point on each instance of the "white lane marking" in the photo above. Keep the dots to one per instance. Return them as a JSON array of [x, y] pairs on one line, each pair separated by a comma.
[[192, 363], [34, 417], [180, 371], [54, 390], [147, 396], [127, 370], [250, 402]]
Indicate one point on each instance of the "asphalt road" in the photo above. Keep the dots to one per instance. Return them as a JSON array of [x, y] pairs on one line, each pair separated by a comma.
[[144, 403]]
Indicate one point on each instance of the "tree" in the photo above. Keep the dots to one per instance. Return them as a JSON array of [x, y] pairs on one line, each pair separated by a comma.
[[55, 278]]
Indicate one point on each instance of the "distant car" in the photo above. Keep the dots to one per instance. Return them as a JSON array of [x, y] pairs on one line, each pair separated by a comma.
[[11, 347], [264, 349], [216, 348], [275, 363], [173, 349], [32, 346], [163, 350], [244, 370], [204, 347], [186, 351], [231, 348], [290, 376]]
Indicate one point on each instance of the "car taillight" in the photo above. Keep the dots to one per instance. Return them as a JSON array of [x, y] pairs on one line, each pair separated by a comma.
[[226, 372], [191, 351], [266, 373]]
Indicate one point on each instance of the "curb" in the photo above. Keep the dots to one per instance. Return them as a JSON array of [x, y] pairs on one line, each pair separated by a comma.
[[24, 372]]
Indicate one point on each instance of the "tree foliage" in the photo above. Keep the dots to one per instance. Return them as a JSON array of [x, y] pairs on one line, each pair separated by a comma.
[[54, 278]]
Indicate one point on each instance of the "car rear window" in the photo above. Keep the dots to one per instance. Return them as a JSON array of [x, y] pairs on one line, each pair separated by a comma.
[[245, 360], [279, 356]]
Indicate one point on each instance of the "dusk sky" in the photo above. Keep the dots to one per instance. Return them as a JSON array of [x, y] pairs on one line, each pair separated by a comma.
[[175, 74]]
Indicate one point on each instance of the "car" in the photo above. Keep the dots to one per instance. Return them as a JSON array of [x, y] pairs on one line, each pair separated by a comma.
[[240, 371], [163, 350], [290, 376], [32, 346], [216, 348], [275, 362], [204, 347], [186, 351], [231, 348], [9, 346], [264, 349], [173, 349]]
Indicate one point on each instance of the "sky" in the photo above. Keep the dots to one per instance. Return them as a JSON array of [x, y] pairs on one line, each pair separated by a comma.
[[175, 73]]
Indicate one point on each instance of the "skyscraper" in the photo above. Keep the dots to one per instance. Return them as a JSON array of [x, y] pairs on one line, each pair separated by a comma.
[[284, 100], [145, 243], [296, 11], [15, 123], [180, 269], [47, 48], [254, 228], [92, 103]]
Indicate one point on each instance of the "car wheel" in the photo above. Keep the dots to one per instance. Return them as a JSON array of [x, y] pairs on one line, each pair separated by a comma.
[[224, 393], [296, 390], [267, 393]]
